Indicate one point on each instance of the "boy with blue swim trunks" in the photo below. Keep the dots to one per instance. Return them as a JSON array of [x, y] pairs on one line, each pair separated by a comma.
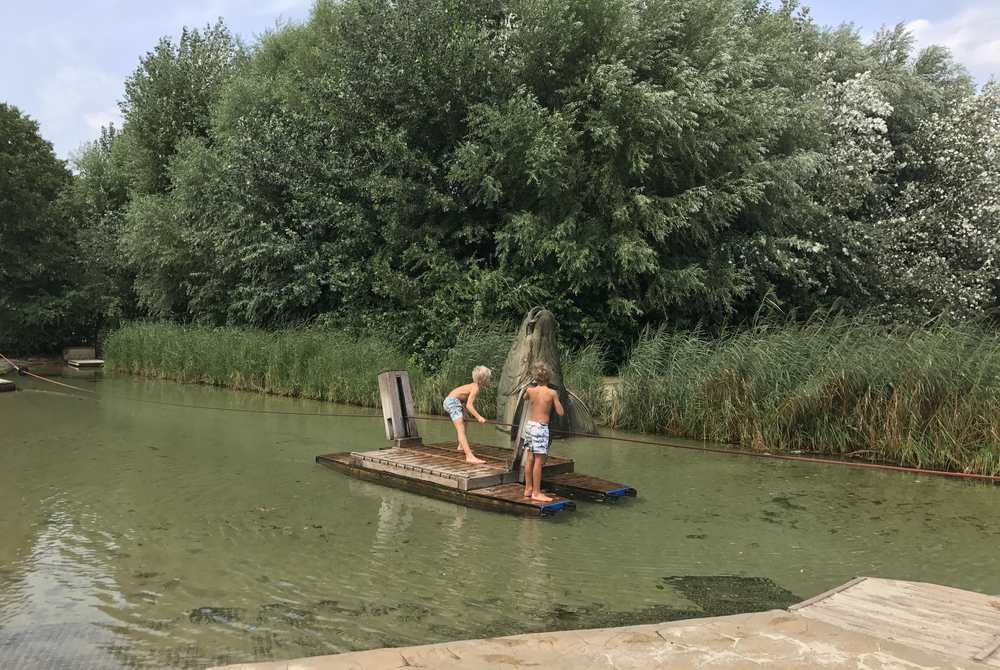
[[466, 394], [536, 431]]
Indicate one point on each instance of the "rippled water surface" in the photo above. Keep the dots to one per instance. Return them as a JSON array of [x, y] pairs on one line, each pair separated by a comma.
[[146, 535]]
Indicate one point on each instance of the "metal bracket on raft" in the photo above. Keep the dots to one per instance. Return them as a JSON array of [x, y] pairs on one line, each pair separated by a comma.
[[397, 408]]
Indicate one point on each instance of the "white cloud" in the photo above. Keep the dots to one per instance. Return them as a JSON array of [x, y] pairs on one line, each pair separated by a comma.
[[198, 14], [973, 35], [74, 103], [97, 120], [282, 7]]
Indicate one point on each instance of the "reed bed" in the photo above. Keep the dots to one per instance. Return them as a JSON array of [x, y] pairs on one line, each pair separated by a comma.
[[317, 363], [833, 385], [307, 363]]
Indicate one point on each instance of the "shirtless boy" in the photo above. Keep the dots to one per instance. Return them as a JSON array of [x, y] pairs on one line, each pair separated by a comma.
[[467, 394], [536, 431]]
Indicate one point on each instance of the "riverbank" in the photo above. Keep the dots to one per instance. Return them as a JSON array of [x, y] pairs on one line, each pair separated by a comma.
[[920, 398], [829, 631]]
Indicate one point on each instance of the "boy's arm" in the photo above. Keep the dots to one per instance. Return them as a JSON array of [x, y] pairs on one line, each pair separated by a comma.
[[472, 408], [555, 401]]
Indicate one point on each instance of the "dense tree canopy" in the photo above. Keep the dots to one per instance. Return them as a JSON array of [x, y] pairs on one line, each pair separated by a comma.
[[36, 297], [418, 168]]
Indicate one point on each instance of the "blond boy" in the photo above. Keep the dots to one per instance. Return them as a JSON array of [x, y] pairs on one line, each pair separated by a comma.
[[536, 430], [467, 394]]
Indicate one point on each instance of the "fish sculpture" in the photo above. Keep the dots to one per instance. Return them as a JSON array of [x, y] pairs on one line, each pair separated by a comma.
[[537, 340]]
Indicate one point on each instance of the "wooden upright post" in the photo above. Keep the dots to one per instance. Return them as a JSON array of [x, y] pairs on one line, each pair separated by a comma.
[[397, 407]]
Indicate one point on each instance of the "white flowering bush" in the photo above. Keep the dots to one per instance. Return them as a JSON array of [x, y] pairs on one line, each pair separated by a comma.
[[940, 244], [828, 254], [855, 112]]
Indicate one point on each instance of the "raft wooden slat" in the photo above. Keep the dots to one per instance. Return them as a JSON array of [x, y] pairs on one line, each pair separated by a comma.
[[86, 363], [507, 498], [584, 486], [445, 470], [499, 455], [926, 616], [7, 386], [442, 464]]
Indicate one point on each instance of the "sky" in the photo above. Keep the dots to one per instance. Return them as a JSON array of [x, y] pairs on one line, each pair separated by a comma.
[[64, 62]]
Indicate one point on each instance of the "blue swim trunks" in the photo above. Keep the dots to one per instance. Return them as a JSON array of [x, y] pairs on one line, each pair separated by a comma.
[[454, 408], [536, 437]]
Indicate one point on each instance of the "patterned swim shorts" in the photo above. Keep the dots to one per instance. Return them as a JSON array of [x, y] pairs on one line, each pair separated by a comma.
[[454, 408], [536, 437]]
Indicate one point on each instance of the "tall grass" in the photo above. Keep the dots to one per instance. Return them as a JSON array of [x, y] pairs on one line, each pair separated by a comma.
[[308, 363], [583, 373], [480, 347], [316, 363], [834, 385]]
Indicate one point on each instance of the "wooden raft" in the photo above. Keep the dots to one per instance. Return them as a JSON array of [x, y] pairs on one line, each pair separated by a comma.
[[440, 470], [7, 386], [500, 498], [925, 616]]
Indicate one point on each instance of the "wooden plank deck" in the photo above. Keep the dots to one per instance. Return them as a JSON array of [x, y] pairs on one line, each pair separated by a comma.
[[444, 465], [491, 453], [450, 470], [7, 386], [576, 485], [500, 498], [924, 616]]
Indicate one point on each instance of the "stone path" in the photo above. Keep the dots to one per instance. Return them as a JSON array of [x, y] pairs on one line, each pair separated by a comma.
[[775, 639]]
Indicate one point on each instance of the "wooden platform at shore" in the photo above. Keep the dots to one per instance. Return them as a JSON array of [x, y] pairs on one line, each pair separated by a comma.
[[924, 616], [6, 385], [85, 363]]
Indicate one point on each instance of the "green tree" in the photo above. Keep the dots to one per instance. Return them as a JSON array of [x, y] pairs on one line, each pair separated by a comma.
[[97, 201], [37, 300], [171, 95], [427, 167]]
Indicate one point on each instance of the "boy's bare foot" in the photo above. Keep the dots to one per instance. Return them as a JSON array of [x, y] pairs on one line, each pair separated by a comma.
[[527, 493], [541, 497], [472, 459]]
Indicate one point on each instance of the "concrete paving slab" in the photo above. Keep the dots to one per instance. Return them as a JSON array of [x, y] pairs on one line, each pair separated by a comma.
[[774, 639]]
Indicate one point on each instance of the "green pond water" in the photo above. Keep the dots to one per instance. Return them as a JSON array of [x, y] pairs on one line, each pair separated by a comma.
[[141, 535]]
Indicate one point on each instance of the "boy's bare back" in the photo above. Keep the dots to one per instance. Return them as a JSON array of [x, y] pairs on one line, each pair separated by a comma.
[[542, 400], [464, 391]]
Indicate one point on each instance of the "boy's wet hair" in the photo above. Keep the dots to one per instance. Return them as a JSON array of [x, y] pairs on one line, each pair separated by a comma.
[[541, 372], [481, 374]]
